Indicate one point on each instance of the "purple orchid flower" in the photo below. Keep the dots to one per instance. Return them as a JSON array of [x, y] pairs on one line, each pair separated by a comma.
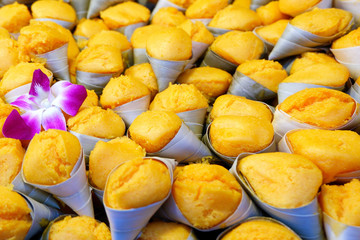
[[43, 107]]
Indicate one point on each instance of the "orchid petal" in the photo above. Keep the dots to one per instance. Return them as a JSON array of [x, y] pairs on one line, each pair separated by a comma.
[[53, 118], [26, 103], [16, 127], [40, 86], [68, 96]]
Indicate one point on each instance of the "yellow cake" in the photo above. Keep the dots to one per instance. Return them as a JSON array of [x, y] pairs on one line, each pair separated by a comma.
[[235, 18], [91, 100], [124, 14], [107, 155], [9, 54], [110, 38], [231, 135], [4, 33], [179, 98], [272, 32], [295, 7], [97, 122], [270, 13], [310, 58], [268, 73], [197, 31], [141, 34], [53, 9], [212, 82], [341, 202], [15, 215], [11, 156], [320, 107], [50, 157], [200, 191], [89, 27], [122, 90], [282, 180], [161, 230], [14, 16], [242, 3], [137, 183], [237, 47], [183, 3], [153, 130], [239, 106], [260, 229], [80, 227], [168, 17], [205, 8], [171, 43], [334, 152], [352, 39]]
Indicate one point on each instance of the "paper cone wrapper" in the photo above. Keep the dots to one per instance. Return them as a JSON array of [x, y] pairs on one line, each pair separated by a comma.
[[242, 85], [354, 92], [268, 45], [354, 69], [39, 213], [352, 6], [37, 194], [129, 111], [212, 59], [283, 123], [336, 230], [74, 192], [57, 62], [254, 219], [305, 221], [81, 7], [194, 119], [295, 41], [93, 81], [129, 30], [205, 21], [217, 31], [128, 58], [198, 49], [127, 224], [96, 6], [140, 56], [98, 193], [285, 146], [184, 147], [349, 57], [88, 142], [231, 160], [258, 3], [323, 4], [65, 24], [245, 210], [166, 71], [287, 89], [165, 3]]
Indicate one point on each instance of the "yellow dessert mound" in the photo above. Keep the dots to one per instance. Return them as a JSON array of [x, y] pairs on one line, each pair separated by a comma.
[[89, 27], [200, 191], [235, 18], [137, 183], [50, 157], [14, 215], [197, 31], [334, 152], [294, 7], [232, 135], [242, 3], [179, 98], [319, 107], [282, 180], [122, 90], [266, 72], [9, 54], [141, 34], [205, 8], [323, 22], [260, 229], [272, 32], [81, 227], [183, 3], [107, 155], [352, 39], [212, 82], [168, 17], [237, 47], [310, 58], [11, 157], [172, 44], [341, 202], [165, 230], [97, 122], [91, 100], [4, 33], [270, 13], [124, 14], [153, 130], [111, 38], [53, 9], [14, 16]]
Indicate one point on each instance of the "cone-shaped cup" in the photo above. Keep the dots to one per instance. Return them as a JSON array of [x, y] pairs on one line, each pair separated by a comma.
[[93, 81], [212, 59], [336, 230], [354, 92], [349, 57], [95, 6], [129, 29], [258, 3], [198, 49], [217, 31], [140, 56], [81, 8], [128, 58], [194, 119], [205, 21], [165, 3], [268, 45], [352, 6], [65, 24]]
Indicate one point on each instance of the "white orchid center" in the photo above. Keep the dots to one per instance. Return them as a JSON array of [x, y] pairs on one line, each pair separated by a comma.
[[45, 103]]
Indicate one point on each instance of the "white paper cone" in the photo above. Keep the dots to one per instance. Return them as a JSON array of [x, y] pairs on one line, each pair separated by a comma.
[[336, 230], [96, 6], [268, 45], [194, 119], [354, 92], [212, 59], [165, 3], [166, 71], [93, 81], [140, 56], [354, 69], [129, 111], [128, 58], [184, 147], [37, 194], [65, 24], [75, 192], [217, 31], [323, 4], [198, 49], [305, 220], [205, 21], [57, 62], [287, 89], [39, 213], [127, 224], [352, 6], [347, 55], [129, 30], [242, 85], [81, 7], [258, 3]]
